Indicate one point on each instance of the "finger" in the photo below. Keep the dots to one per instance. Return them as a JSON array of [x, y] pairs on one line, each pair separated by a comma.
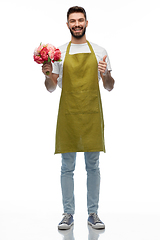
[[102, 63], [47, 64], [102, 70], [102, 66], [104, 58], [46, 67]]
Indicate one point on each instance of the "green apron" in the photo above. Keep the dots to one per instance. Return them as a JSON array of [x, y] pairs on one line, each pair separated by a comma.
[[80, 125]]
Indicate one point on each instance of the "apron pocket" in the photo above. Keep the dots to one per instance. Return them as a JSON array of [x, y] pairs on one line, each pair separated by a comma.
[[81, 102]]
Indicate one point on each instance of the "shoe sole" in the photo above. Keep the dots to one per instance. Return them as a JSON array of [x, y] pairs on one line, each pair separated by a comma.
[[65, 226], [102, 226]]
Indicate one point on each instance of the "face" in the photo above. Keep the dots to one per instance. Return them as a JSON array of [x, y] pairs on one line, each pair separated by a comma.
[[77, 24]]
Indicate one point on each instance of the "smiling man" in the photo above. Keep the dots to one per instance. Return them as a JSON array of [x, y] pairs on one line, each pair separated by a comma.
[[77, 25], [80, 126]]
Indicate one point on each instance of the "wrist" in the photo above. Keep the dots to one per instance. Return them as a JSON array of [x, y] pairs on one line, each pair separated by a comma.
[[106, 71], [49, 75]]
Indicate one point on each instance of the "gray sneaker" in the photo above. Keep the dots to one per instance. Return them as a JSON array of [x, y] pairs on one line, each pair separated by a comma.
[[66, 222], [95, 222]]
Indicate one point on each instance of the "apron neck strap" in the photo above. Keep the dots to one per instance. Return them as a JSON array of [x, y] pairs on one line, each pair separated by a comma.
[[69, 45]]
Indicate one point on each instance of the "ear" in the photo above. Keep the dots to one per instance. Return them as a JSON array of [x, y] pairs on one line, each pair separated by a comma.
[[67, 24], [87, 23]]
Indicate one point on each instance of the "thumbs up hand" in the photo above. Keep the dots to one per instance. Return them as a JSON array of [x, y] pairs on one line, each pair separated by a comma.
[[108, 81], [102, 65]]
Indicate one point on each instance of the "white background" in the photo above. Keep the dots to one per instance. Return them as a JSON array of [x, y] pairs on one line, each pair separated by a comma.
[[29, 170]]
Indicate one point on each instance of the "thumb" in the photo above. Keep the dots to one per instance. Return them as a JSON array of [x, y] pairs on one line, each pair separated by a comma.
[[104, 58]]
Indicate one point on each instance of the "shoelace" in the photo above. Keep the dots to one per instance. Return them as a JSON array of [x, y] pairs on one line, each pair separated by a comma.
[[66, 217], [96, 218]]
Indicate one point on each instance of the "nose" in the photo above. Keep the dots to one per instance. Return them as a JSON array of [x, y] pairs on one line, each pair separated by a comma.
[[77, 23]]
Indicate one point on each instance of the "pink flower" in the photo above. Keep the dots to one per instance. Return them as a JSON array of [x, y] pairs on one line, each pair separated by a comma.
[[50, 47], [51, 50], [51, 54], [40, 47], [44, 53], [36, 52], [57, 55], [38, 59]]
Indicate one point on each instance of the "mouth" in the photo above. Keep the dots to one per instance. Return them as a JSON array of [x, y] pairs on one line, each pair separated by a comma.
[[79, 29]]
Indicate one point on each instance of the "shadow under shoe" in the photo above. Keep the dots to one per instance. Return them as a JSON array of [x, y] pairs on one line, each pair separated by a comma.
[[67, 234]]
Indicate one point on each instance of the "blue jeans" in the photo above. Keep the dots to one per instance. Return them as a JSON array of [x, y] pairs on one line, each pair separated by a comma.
[[93, 181]]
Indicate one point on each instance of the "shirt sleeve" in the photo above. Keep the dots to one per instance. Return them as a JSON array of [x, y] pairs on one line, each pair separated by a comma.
[[58, 69]]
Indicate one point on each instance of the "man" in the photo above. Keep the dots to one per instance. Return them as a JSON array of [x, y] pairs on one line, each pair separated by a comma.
[[80, 126]]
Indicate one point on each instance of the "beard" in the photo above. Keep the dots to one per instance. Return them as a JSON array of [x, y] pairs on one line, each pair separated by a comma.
[[78, 35]]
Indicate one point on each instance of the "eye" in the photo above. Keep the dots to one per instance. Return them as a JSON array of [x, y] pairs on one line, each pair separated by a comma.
[[72, 21], [81, 20]]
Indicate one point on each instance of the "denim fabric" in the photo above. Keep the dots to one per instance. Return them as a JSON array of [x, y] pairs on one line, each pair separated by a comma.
[[93, 181]]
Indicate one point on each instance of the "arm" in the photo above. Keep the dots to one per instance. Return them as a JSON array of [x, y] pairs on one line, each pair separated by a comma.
[[108, 81], [51, 83], [51, 79]]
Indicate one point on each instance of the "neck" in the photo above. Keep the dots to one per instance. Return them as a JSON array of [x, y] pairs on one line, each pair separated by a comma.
[[79, 41]]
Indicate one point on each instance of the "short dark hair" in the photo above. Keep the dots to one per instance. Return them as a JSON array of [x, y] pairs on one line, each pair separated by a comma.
[[76, 9]]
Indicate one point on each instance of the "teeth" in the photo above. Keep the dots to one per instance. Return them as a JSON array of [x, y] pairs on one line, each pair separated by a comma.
[[77, 29]]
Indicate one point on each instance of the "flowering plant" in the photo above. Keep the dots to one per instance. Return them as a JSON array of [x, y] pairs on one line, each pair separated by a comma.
[[46, 53]]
